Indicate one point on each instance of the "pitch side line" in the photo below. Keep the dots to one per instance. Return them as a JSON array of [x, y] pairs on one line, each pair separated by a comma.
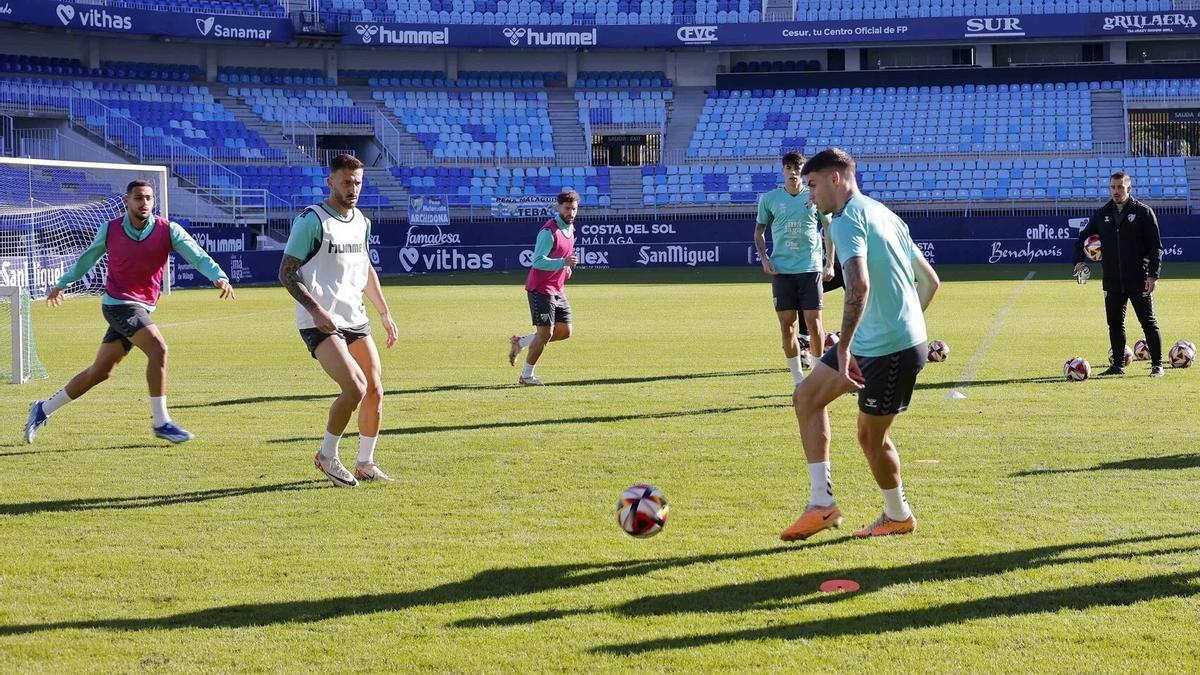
[[976, 360]]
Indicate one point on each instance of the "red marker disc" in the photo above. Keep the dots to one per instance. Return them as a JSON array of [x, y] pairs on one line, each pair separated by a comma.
[[839, 585]]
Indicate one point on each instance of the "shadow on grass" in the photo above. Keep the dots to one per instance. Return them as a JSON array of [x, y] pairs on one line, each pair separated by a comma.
[[1187, 460], [802, 589], [50, 451], [489, 387], [149, 501], [489, 584], [558, 421], [1073, 598]]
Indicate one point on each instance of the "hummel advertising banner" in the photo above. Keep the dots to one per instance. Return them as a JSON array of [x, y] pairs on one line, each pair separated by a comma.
[[95, 17], [791, 33], [638, 243]]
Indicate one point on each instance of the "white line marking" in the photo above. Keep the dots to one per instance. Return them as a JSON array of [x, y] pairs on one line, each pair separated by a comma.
[[976, 360]]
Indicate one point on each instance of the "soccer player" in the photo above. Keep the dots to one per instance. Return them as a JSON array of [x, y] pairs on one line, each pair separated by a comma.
[[888, 286], [138, 245], [1132, 259], [553, 259], [796, 263], [327, 268]]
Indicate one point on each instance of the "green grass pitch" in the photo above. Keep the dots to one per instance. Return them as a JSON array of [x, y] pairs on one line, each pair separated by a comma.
[[1058, 522]]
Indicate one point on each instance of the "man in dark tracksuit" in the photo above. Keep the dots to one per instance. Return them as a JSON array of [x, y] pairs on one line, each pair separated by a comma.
[[1131, 256]]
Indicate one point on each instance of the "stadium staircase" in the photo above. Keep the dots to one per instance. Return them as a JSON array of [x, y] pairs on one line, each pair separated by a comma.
[[683, 113], [1108, 118], [405, 143], [626, 183], [779, 10], [389, 187], [272, 133], [1192, 167], [569, 142]]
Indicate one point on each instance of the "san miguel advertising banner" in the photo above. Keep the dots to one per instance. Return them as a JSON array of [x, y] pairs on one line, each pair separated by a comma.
[[96, 17], [795, 33], [491, 246]]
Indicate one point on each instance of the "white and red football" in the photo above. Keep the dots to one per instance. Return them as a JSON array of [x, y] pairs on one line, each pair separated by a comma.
[[938, 351], [1141, 350], [1127, 358], [642, 510], [1077, 369], [1182, 355]]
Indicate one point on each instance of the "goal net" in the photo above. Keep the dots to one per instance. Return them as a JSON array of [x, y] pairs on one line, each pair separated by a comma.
[[50, 212]]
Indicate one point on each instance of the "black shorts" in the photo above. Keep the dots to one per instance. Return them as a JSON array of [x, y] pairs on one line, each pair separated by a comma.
[[313, 337], [800, 292], [837, 281], [123, 322], [548, 310], [890, 379]]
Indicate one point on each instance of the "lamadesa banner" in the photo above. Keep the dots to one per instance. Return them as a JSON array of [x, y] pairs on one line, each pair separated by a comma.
[[198, 26], [492, 246], [990, 28]]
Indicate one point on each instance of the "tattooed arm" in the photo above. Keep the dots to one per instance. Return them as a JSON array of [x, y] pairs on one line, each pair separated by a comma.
[[857, 290], [289, 276]]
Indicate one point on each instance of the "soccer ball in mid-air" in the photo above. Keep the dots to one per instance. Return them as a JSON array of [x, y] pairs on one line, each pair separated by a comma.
[[1141, 350], [1077, 369], [642, 510], [1182, 355], [938, 351], [832, 340], [1126, 358], [1091, 248]]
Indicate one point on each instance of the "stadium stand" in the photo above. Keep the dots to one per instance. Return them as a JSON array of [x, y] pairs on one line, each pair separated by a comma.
[[296, 185], [549, 12], [622, 79], [243, 7], [178, 115], [896, 120], [55, 186], [646, 108], [433, 79], [479, 124], [853, 10], [477, 186], [63, 67], [287, 76], [326, 107], [926, 181]]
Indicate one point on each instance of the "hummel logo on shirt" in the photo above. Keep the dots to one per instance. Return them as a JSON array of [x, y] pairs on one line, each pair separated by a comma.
[[347, 248]]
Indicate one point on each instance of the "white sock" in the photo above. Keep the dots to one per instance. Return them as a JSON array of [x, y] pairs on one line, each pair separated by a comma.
[[366, 449], [329, 447], [895, 506], [57, 401], [528, 372], [794, 366], [524, 342], [820, 485], [158, 409]]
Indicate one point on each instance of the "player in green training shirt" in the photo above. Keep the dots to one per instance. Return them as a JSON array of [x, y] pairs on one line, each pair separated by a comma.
[[889, 284], [797, 263]]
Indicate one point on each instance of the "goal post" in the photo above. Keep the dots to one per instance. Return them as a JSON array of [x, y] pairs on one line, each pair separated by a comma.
[[23, 363], [50, 212]]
